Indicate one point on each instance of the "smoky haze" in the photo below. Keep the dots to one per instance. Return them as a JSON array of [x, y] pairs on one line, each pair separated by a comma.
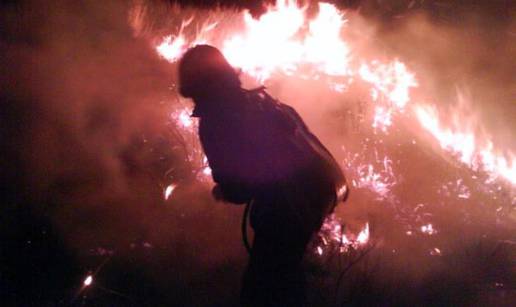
[[88, 149], [84, 133]]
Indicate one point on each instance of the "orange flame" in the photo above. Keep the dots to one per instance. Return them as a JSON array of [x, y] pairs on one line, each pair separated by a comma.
[[461, 139], [284, 40]]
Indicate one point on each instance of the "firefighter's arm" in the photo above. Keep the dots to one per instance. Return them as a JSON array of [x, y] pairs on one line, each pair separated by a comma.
[[229, 190], [230, 193]]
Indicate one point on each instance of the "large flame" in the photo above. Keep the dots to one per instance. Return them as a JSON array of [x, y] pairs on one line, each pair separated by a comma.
[[280, 27], [460, 137], [284, 41], [251, 51]]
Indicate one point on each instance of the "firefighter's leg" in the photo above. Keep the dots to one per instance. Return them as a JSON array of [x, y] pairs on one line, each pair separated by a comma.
[[274, 276]]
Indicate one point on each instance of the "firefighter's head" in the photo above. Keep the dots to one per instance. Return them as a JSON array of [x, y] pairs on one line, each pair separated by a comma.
[[203, 70]]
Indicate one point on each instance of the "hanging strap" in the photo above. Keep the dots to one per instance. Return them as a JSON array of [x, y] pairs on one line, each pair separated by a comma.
[[247, 209]]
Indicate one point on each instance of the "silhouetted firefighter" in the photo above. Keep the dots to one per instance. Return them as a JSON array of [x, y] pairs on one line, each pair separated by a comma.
[[261, 153]]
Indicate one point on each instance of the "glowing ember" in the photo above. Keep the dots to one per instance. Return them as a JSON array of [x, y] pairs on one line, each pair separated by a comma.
[[382, 119], [373, 180], [363, 236], [207, 171], [333, 237], [168, 191], [88, 281], [342, 191], [428, 229], [184, 119], [435, 251]]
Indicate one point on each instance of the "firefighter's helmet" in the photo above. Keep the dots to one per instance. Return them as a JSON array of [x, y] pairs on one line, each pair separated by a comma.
[[204, 67]]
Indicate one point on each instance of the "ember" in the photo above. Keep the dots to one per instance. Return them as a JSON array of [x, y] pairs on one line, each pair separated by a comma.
[[88, 281], [168, 191]]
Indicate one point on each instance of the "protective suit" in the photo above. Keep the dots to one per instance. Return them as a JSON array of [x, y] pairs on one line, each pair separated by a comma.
[[261, 152]]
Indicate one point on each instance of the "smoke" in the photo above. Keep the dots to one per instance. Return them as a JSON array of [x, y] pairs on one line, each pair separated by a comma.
[[87, 153], [470, 54], [85, 126]]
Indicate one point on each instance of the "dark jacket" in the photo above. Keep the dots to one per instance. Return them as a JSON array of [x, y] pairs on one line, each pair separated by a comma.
[[255, 144]]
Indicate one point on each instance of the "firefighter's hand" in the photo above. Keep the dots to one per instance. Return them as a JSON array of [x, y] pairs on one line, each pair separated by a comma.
[[229, 194], [217, 193]]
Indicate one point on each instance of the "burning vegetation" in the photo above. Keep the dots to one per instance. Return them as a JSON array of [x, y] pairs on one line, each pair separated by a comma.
[[417, 108]]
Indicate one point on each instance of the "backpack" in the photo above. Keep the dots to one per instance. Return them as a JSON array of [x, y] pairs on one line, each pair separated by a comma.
[[325, 169]]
